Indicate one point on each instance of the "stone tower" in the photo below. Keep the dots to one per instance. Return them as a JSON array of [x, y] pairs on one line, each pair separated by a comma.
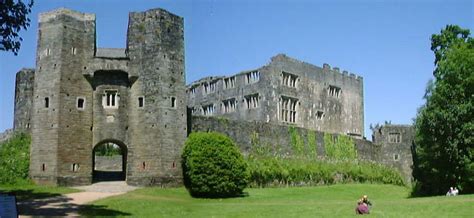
[[23, 99], [85, 96], [396, 147]]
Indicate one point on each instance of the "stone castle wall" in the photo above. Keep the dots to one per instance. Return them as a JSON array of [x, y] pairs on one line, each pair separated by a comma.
[[279, 137]]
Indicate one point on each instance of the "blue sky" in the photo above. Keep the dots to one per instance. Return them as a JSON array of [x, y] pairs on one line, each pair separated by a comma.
[[386, 42]]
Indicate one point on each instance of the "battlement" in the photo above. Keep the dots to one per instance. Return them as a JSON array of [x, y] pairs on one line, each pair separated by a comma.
[[50, 15]]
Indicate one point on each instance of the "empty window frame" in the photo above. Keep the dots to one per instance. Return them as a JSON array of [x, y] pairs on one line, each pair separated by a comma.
[[73, 51], [229, 83], [141, 102], [251, 101], [319, 115], [289, 79], [81, 103], [394, 137], [210, 87], [396, 157], [208, 110], [229, 105], [334, 91], [110, 99], [288, 112], [252, 77], [46, 102], [75, 167], [192, 91]]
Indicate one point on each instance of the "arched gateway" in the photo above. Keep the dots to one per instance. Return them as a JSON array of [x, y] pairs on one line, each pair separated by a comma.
[[109, 161]]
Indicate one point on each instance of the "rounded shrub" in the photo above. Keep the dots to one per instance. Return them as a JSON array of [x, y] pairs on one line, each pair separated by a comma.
[[213, 166]]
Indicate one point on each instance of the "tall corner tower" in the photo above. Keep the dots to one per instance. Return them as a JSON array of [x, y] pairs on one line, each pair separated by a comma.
[[61, 131], [157, 131], [23, 99]]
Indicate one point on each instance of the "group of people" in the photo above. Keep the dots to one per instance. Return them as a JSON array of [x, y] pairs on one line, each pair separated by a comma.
[[452, 191], [363, 205]]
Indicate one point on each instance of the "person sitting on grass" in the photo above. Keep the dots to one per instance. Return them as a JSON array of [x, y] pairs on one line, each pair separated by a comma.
[[362, 207]]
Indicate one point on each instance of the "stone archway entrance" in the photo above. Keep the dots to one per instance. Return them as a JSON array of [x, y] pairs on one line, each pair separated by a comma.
[[109, 161]]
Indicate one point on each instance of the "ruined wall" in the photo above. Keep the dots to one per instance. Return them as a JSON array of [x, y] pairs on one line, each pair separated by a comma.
[[277, 136], [289, 92], [23, 99]]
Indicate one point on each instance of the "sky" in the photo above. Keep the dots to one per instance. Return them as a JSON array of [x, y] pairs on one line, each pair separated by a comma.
[[387, 42]]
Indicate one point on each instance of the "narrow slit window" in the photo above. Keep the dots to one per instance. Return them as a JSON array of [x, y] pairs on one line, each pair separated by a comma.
[[173, 102], [43, 167], [141, 101], [46, 102]]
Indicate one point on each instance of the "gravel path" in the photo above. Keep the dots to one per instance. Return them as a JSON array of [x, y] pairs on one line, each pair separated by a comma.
[[68, 205]]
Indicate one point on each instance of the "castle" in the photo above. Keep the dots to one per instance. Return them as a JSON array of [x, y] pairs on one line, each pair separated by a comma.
[[80, 97]]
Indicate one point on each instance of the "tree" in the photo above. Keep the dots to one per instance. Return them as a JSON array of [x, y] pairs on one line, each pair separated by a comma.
[[13, 18], [445, 124]]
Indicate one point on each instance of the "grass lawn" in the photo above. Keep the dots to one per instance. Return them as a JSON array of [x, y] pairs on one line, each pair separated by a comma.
[[327, 201], [30, 191]]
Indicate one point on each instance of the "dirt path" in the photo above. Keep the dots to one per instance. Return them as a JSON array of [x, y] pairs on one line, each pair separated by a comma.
[[68, 205]]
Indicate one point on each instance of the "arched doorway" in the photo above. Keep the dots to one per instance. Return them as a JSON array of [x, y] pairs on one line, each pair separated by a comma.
[[109, 161]]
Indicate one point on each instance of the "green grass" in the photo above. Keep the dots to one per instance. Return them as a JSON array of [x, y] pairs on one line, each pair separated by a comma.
[[323, 201], [30, 191]]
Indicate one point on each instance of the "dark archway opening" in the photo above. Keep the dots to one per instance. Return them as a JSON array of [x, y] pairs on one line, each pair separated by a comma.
[[109, 161]]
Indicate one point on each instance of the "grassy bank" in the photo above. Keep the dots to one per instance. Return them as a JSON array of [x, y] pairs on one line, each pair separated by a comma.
[[326, 201]]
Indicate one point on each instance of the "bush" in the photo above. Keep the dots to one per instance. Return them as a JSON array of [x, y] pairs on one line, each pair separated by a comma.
[[213, 166], [300, 171], [15, 159]]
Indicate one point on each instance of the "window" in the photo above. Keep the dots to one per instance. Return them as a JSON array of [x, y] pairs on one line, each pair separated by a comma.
[[208, 110], [141, 101], [229, 82], [75, 167], [334, 91], [394, 137], [73, 51], [252, 77], [228, 105], [319, 115], [43, 167], [210, 87], [46, 102], [193, 91], [251, 101], [110, 99], [288, 109], [396, 157], [289, 79], [173, 102]]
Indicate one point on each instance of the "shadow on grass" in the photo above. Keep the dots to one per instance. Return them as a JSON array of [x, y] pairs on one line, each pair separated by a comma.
[[28, 194], [34, 203], [99, 210]]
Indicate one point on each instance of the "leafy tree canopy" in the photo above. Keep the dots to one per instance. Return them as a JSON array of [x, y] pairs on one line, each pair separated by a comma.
[[445, 124], [13, 18]]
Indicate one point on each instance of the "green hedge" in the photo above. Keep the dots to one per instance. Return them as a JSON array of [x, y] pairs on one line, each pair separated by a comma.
[[296, 171], [213, 166], [15, 159]]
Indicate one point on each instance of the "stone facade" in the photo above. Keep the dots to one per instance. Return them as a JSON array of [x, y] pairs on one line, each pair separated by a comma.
[[285, 91], [85, 96]]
